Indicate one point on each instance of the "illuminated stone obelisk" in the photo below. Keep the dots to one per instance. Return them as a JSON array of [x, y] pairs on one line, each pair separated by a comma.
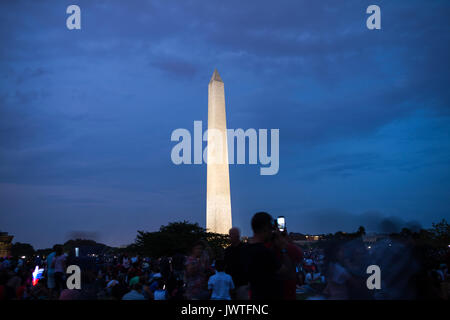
[[218, 201]]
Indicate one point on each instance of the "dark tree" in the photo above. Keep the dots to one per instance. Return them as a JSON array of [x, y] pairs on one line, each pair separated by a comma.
[[177, 237], [86, 247], [441, 232], [361, 231], [19, 249]]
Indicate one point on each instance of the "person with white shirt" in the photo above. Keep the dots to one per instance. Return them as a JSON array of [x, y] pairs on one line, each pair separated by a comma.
[[59, 265], [221, 284]]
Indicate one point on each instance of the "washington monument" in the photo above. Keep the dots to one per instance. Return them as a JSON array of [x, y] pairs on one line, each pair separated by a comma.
[[218, 202]]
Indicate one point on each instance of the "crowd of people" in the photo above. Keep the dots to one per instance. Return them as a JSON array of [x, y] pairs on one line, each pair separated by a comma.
[[267, 267]]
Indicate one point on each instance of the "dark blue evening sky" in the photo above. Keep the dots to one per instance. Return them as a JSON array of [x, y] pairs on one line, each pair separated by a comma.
[[86, 115]]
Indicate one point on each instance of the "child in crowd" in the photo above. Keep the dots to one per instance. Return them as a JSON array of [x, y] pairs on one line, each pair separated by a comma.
[[221, 284]]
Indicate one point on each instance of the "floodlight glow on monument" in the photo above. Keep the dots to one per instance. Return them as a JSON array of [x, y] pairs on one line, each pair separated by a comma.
[[218, 201]]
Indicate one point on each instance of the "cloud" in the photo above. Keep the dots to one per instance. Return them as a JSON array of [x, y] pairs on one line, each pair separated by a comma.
[[175, 67]]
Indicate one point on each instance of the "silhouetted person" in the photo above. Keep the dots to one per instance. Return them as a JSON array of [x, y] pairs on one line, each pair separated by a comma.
[[235, 267], [289, 278], [263, 267], [59, 264]]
